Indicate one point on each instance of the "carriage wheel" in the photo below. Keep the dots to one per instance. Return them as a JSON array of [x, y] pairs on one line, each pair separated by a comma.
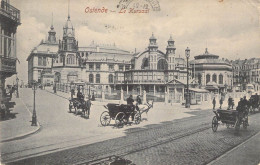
[[105, 118], [214, 124], [120, 119], [137, 118]]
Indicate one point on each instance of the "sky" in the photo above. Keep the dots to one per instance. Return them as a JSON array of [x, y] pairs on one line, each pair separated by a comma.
[[228, 28]]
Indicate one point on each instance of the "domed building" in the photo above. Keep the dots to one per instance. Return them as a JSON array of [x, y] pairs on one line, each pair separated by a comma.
[[212, 73]]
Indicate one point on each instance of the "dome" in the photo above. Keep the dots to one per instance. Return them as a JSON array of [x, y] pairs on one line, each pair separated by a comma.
[[152, 37], [206, 55], [170, 39]]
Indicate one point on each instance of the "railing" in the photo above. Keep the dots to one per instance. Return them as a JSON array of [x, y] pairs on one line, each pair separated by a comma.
[[10, 11]]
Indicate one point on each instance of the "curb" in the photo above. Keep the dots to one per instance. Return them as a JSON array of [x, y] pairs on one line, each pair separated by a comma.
[[233, 149], [21, 136]]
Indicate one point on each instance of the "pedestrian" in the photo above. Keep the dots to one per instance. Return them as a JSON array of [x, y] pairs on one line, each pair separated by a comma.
[[88, 106], [230, 102], [72, 93], [220, 102], [130, 100], [93, 97], [214, 102]]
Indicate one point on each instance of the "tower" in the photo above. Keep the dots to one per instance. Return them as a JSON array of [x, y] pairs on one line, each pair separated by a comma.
[[52, 34], [170, 53], [153, 47]]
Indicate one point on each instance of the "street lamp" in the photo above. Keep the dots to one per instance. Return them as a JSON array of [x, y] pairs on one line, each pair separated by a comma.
[[187, 53], [34, 117], [17, 92]]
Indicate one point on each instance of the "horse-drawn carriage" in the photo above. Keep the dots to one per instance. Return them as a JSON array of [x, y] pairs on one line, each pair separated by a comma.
[[79, 105], [232, 118], [122, 113], [254, 103]]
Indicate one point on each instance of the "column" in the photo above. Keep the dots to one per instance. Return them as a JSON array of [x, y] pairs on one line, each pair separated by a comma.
[[127, 89], [102, 93], [183, 93], [154, 90], [140, 92], [122, 95], [144, 97]]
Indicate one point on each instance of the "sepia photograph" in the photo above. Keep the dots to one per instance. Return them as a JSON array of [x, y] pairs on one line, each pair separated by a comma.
[[129, 82]]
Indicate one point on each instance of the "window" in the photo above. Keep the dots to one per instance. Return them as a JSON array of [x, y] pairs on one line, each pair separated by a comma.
[[91, 78], [44, 61], [199, 79], [97, 78], [110, 78], [39, 61], [70, 59], [220, 79], [127, 67], [111, 67], [121, 67], [61, 59], [214, 78], [207, 78], [97, 66], [91, 66]]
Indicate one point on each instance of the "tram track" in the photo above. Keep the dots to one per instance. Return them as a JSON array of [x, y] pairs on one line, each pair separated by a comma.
[[152, 143]]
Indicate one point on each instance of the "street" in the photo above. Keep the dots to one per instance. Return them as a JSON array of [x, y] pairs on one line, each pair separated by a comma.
[[171, 135]]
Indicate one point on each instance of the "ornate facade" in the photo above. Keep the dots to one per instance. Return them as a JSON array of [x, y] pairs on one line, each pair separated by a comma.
[[246, 72], [10, 20], [211, 72]]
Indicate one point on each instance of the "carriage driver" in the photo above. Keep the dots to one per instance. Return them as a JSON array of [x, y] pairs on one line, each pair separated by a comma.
[[139, 105], [80, 96], [242, 107]]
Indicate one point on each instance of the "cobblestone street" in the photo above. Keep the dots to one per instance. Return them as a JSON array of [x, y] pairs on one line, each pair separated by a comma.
[[185, 139]]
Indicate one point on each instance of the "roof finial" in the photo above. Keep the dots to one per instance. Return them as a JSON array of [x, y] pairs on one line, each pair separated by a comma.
[[52, 21], [69, 10], [206, 51]]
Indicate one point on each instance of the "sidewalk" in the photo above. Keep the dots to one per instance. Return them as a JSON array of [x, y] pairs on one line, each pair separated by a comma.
[[245, 153], [19, 124]]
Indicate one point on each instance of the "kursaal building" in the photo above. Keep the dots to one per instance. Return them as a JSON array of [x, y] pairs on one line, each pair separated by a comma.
[[106, 67]]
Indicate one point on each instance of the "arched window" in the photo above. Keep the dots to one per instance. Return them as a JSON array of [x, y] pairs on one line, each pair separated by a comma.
[[220, 79], [207, 78], [110, 78], [214, 78], [199, 79], [70, 59], [145, 64], [162, 64], [97, 78], [91, 78]]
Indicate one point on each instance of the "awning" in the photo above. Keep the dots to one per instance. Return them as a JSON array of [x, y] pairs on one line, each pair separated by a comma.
[[211, 88], [198, 90]]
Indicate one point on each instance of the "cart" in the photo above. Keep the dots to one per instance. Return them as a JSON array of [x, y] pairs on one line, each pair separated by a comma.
[[121, 113], [231, 118]]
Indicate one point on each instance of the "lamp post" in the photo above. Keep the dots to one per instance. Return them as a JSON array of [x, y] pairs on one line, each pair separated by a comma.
[[187, 54], [17, 92], [34, 117]]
